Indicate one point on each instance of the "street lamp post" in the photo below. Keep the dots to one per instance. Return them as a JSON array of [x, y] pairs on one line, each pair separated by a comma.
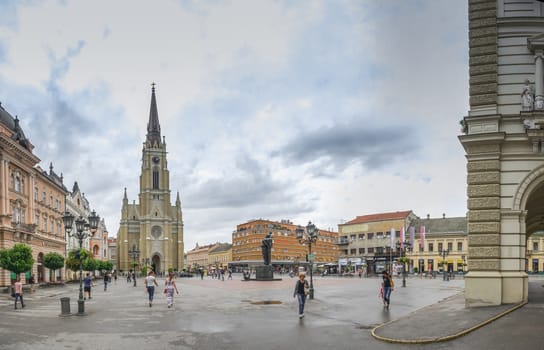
[[444, 253], [134, 253], [308, 236], [83, 230], [402, 246]]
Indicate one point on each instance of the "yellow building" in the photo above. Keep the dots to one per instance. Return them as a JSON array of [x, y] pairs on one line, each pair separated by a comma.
[[220, 255], [444, 245], [32, 201], [365, 242], [535, 253], [198, 257], [153, 228]]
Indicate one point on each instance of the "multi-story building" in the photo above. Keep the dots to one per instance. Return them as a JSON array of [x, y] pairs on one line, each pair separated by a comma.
[[153, 228], [365, 242], [198, 256], [99, 242], [32, 200], [535, 253], [286, 250], [78, 205], [220, 255], [444, 246], [112, 252]]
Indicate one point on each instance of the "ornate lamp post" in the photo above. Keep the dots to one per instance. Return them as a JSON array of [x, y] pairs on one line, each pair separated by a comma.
[[83, 230], [402, 248], [134, 253], [444, 253], [308, 236]]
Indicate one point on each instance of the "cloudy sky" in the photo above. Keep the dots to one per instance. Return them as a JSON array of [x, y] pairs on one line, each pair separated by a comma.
[[300, 110]]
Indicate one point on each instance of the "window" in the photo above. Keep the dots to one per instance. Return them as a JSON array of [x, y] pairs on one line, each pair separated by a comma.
[[459, 246], [431, 247], [52, 226], [44, 197], [155, 178], [361, 236], [352, 237], [353, 251], [45, 222], [12, 181], [535, 246], [397, 234], [17, 183], [361, 250], [379, 250], [370, 250], [51, 199], [36, 194], [370, 235], [37, 220], [440, 248], [450, 246]]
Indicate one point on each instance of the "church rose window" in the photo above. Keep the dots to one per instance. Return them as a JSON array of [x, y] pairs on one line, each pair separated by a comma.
[[156, 231]]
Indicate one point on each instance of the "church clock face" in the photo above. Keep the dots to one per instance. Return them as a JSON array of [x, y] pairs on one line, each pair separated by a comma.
[[156, 160]]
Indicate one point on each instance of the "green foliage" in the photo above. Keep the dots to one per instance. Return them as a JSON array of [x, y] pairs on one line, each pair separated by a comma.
[[102, 265], [143, 271], [416, 270], [90, 264], [74, 256], [53, 261], [170, 270], [17, 259]]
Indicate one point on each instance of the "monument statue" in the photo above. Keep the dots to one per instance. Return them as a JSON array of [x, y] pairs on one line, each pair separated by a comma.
[[266, 248]]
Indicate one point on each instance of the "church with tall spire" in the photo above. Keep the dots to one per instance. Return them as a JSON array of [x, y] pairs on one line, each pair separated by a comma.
[[151, 231]]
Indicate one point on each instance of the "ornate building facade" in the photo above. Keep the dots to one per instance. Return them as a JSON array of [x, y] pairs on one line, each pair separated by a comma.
[[503, 137], [32, 200], [151, 231]]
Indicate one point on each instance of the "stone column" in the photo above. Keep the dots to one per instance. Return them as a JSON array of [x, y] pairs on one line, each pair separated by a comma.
[[539, 81]]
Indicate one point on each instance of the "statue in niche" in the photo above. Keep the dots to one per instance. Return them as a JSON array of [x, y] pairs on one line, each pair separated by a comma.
[[266, 248], [527, 97]]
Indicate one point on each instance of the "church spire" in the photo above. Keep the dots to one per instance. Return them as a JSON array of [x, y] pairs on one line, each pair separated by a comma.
[[153, 126]]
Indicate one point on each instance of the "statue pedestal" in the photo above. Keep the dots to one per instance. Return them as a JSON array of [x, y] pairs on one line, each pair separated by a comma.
[[264, 273]]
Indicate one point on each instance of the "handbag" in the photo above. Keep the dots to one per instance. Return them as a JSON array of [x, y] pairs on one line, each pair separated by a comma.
[[306, 289], [165, 290]]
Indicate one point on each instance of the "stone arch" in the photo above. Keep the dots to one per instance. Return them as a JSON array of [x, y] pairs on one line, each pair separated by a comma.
[[533, 180], [157, 260]]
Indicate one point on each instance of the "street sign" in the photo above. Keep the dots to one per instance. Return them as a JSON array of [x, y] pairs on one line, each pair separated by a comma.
[[311, 257]]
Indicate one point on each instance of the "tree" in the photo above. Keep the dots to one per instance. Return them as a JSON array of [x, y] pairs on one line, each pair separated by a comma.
[[107, 265], [17, 259], [72, 261], [53, 261]]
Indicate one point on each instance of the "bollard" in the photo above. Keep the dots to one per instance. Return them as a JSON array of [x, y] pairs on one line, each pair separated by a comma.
[[65, 306]]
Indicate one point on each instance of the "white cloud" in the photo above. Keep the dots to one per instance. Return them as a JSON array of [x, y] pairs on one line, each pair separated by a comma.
[[248, 92]]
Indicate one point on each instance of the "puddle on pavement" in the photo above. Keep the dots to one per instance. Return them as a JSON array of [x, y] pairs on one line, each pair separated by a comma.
[[264, 302]]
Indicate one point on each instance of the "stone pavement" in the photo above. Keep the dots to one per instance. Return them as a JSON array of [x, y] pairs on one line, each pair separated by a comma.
[[211, 314]]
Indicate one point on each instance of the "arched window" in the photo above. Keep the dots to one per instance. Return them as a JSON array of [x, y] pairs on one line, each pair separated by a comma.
[[95, 250], [155, 178]]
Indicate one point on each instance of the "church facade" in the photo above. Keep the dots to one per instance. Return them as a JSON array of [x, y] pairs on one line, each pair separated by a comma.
[[151, 231]]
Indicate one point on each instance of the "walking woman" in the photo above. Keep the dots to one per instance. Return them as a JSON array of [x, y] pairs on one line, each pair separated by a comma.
[[170, 288], [302, 289], [18, 292], [388, 286], [150, 283]]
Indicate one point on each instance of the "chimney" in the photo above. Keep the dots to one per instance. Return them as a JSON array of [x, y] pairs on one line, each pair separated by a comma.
[[428, 216], [443, 215]]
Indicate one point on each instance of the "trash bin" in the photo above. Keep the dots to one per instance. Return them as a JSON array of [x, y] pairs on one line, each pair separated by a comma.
[[64, 306]]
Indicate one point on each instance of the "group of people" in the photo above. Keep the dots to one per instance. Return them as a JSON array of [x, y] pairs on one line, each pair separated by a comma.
[[302, 290], [169, 288]]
